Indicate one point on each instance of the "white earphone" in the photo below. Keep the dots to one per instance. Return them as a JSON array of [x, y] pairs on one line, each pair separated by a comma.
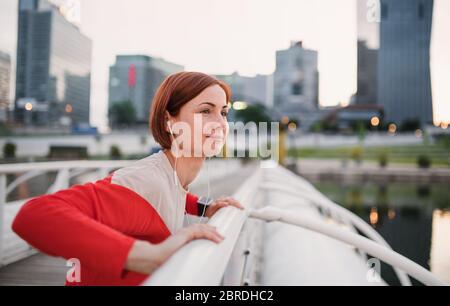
[[170, 128], [175, 175]]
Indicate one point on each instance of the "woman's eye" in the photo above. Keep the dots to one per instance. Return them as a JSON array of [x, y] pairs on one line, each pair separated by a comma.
[[207, 111]]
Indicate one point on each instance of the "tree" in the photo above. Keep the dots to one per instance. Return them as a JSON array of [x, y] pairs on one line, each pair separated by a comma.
[[361, 130], [122, 114], [4, 130], [253, 113], [317, 127], [9, 150], [424, 161], [410, 125], [115, 153]]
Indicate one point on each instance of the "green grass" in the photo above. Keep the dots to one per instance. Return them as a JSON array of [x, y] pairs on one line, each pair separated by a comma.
[[346, 194], [439, 154]]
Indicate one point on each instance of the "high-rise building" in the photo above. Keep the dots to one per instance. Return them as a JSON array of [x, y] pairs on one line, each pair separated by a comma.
[[368, 43], [53, 67], [135, 79], [296, 83], [367, 75], [404, 84], [5, 77], [254, 90]]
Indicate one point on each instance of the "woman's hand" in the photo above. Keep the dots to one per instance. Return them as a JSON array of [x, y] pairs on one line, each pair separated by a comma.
[[145, 257], [220, 203]]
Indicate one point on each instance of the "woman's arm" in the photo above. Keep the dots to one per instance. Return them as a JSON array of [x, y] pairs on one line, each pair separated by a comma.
[[78, 223], [221, 203], [65, 224], [145, 257], [192, 206]]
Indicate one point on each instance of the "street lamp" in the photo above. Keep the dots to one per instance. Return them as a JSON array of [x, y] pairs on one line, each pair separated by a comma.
[[418, 133], [292, 127], [375, 121], [239, 105], [69, 108], [392, 128]]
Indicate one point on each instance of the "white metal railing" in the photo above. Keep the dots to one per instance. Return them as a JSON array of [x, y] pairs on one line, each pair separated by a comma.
[[203, 262], [303, 189], [271, 214], [12, 248]]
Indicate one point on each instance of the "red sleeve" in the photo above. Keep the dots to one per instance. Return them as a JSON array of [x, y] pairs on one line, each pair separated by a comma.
[[66, 224], [191, 204]]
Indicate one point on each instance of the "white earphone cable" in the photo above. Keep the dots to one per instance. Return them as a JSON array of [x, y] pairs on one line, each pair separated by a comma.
[[175, 174], [209, 188], [175, 178]]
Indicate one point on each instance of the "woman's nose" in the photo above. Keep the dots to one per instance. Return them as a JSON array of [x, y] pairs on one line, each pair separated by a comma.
[[223, 122], [219, 120]]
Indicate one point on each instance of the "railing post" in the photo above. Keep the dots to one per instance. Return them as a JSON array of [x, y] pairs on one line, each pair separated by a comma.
[[102, 173], [2, 214], [61, 181]]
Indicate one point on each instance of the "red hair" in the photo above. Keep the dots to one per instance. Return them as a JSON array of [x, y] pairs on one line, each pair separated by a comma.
[[174, 92]]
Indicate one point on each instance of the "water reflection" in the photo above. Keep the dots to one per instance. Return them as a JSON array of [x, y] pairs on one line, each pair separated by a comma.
[[373, 217], [414, 219]]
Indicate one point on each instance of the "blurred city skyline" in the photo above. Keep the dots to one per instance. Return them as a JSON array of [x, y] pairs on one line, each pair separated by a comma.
[[219, 38]]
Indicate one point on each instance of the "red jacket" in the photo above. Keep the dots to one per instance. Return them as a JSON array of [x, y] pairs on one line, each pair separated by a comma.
[[96, 223]]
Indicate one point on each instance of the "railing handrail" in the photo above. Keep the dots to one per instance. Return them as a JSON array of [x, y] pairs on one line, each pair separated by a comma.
[[319, 199], [58, 165], [203, 262], [377, 250], [354, 221]]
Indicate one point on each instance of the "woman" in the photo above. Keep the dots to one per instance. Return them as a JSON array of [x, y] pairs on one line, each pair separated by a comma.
[[123, 227]]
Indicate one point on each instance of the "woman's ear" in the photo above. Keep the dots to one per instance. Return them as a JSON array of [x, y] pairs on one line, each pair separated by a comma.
[[167, 122]]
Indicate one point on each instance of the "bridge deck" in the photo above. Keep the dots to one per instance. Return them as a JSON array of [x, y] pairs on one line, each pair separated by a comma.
[[39, 270]]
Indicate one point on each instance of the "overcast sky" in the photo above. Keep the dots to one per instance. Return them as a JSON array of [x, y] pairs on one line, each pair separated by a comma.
[[220, 37]]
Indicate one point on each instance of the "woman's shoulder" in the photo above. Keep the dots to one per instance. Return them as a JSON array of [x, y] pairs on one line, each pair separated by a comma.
[[145, 175]]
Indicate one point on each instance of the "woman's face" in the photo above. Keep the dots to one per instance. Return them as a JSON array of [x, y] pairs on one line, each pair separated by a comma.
[[201, 127]]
